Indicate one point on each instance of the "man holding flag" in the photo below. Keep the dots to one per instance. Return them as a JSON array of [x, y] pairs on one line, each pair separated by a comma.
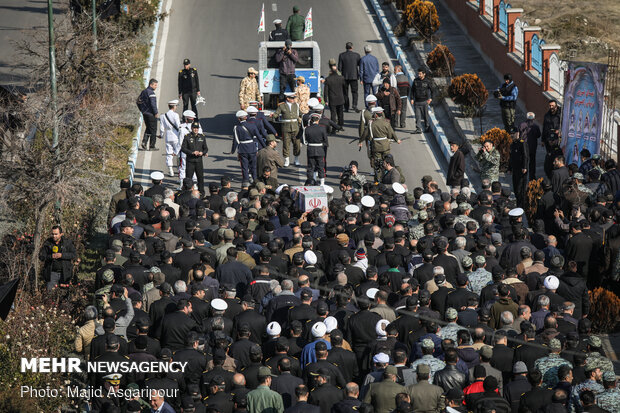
[[295, 25]]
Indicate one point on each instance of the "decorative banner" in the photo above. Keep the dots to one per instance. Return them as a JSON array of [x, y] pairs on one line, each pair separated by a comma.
[[261, 25], [583, 109], [308, 30]]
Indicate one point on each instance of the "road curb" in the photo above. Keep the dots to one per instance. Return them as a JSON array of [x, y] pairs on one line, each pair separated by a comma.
[[437, 130], [133, 155]]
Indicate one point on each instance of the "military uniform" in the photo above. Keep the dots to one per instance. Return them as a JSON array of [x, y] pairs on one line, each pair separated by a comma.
[[609, 400], [575, 404], [245, 141], [519, 160], [248, 91], [548, 366], [315, 138], [434, 363], [295, 27], [489, 164], [189, 87], [378, 134], [303, 95], [289, 116], [184, 130], [192, 143], [478, 280], [450, 330], [278, 35], [170, 129], [595, 359]]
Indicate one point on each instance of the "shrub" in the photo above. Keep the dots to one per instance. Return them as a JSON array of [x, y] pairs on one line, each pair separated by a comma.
[[534, 193], [468, 91], [421, 16], [502, 140], [441, 61], [604, 310]]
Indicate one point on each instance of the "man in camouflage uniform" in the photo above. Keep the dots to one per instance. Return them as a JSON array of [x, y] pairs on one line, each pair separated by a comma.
[[417, 230], [108, 279], [290, 116], [365, 118], [248, 89], [548, 366], [428, 347], [594, 357], [449, 330], [463, 212], [610, 398], [479, 278], [378, 135], [593, 375], [488, 157]]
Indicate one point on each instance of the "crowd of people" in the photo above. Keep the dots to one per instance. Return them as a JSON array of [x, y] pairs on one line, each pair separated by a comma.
[[390, 299]]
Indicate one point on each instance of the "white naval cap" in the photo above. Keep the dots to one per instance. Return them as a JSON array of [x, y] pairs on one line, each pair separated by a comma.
[[252, 109], [290, 94], [398, 188], [328, 189], [312, 102], [368, 201], [371, 98], [318, 106], [273, 328], [428, 198], [377, 109], [516, 212], [173, 102], [189, 114], [241, 113], [352, 209], [277, 21], [219, 305], [157, 176]]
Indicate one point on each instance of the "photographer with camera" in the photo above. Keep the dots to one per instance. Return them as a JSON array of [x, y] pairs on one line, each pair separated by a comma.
[[507, 94], [287, 58], [488, 157], [551, 124]]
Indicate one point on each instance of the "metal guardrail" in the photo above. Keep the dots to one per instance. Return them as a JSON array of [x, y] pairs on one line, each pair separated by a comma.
[[133, 155]]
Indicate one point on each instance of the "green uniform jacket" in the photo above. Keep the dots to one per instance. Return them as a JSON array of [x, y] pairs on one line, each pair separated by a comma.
[[264, 400], [489, 164], [365, 118], [382, 395], [295, 27], [426, 397], [290, 117], [377, 130]]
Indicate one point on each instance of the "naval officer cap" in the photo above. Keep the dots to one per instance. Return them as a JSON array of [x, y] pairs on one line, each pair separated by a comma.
[[219, 305], [318, 107], [174, 102], [352, 209], [371, 98], [368, 201], [277, 21], [241, 114], [195, 125], [371, 292], [252, 109], [312, 102], [516, 212], [398, 188], [378, 109], [290, 94], [157, 176], [428, 198], [189, 114]]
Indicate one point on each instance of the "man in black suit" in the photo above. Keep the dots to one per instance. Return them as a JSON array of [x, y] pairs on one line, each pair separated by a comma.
[[176, 326], [335, 90], [302, 406], [348, 65], [456, 168]]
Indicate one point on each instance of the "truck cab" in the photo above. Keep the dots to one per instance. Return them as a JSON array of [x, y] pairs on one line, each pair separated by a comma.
[[308, 66]]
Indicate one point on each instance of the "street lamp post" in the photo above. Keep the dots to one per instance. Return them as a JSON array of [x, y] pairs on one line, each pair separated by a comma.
[[52, 52], [94, 11]]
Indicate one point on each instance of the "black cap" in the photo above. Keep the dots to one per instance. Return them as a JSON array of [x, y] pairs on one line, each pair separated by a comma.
[[186, 61], [305, 293], [195, 125], [217, 381], [165, 354], [111, 340], [126, 223], [256, 350], [219, 354]]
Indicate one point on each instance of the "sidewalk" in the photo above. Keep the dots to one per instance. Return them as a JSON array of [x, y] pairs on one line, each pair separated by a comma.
[[468, 60]]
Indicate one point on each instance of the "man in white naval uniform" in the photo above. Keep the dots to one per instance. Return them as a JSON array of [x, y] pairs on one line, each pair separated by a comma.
[[170, 125], [186, 128]]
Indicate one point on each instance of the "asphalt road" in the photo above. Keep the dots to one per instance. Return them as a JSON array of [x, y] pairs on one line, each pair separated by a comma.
[[20, 20], [222, 43]]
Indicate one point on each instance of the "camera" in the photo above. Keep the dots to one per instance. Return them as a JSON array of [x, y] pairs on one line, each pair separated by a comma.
[[497, 93]]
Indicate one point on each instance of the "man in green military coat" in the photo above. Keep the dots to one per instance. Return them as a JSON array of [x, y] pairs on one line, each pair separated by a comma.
[[295, 25], [488, 157], [378, 135], [290, 117]]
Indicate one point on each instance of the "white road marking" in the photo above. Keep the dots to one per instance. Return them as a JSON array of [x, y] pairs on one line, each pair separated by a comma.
[[424, 141], [146, 161]]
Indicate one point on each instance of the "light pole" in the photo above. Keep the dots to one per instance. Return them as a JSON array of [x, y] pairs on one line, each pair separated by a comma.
[[52, 50], [94, 11]]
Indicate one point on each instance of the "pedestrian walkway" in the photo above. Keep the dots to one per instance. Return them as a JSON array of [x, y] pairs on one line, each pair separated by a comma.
[[468, 60]]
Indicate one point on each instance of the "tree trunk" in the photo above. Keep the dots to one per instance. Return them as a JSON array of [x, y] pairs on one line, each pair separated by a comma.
[[36, 237]]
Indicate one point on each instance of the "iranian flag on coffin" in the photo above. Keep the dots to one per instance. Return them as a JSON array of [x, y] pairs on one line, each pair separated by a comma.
[[309, 197]]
